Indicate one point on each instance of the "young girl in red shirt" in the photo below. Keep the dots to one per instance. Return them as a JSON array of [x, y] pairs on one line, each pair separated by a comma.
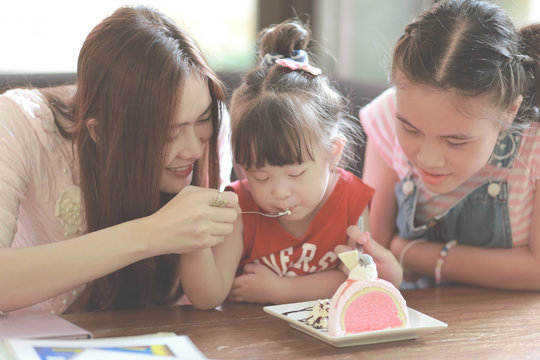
[[290, 131]]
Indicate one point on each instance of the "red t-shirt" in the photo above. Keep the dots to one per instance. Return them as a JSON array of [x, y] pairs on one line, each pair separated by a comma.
[[267, 243]]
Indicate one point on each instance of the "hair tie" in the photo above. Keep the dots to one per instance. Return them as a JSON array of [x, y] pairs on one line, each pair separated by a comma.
[[298, 60], [294, 65], [300, 56], [269, 59]]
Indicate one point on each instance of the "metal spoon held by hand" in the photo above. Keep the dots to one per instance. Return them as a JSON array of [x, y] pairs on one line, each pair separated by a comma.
[[281, 213], [360, 248], [219, 201]]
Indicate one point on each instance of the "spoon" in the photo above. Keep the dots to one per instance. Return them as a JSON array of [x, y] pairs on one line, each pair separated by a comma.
[[360, 248], [281, 213]]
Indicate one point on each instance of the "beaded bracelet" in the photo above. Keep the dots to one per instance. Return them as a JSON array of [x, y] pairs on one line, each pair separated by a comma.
[[440, 260]]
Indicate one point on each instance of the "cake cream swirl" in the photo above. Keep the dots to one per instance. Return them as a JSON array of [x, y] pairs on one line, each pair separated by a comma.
[[318, 317], [365, 269]]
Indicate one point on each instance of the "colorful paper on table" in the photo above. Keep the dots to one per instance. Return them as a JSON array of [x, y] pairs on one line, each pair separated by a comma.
[[164, 346]]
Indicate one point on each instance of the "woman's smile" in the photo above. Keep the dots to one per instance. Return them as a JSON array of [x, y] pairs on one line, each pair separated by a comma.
[[182, 171]]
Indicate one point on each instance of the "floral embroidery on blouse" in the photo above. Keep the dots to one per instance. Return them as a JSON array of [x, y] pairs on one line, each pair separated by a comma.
[[68, 210]]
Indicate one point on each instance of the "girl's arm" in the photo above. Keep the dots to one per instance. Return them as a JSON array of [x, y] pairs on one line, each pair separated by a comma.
[[383, 208], [34, 274], [516, 268], [207, 274], [261, 285]]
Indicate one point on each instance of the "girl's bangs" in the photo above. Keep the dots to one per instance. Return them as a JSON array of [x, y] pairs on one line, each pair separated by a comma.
[[273, 136]]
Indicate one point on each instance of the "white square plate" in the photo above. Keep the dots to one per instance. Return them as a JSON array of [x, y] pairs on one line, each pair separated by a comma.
[[294, 313]]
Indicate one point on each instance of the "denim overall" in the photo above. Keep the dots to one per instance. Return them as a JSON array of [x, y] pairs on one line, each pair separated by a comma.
[[479, 219]]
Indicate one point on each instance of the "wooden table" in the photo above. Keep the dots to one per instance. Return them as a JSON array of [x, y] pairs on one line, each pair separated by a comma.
[[482, 324]]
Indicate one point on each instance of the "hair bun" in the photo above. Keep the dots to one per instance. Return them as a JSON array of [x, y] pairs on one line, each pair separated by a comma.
[[284, 38]]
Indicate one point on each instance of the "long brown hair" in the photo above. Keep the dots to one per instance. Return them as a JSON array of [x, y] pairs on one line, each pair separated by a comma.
[[130, 74]]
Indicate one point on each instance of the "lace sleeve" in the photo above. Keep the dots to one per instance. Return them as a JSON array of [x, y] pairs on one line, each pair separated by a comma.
[[15, 146]]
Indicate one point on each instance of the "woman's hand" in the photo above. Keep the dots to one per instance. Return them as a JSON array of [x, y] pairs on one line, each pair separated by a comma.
[[188, 222], [387, 264], [256, 285]]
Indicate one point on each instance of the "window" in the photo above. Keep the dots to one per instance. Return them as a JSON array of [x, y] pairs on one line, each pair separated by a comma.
[[45, 36], [359, 36]]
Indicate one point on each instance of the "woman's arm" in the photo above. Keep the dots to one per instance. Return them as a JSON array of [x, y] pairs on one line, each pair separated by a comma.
[[207, 275], [516, 268], [383, 208], [34, 274]]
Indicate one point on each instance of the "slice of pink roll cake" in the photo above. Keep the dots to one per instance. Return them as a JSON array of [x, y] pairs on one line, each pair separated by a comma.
[[366, 303]]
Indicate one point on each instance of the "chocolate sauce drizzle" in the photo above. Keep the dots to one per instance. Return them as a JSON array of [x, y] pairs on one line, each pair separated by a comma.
[[306, 319]]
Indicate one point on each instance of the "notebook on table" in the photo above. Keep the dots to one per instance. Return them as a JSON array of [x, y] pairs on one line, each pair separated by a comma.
[[37, 323]]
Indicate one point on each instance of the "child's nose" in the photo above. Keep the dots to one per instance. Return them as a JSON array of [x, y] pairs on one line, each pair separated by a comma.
[[430, 155], [281, 192]]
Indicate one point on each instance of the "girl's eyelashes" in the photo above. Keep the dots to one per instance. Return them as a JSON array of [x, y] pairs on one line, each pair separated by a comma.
[[456, 144], [412, 131], [260, 179], [298, 173], [409, 129]]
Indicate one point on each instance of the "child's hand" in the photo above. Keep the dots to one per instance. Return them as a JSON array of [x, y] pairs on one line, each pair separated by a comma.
[[255, 285], [355, 238], [387, 265]]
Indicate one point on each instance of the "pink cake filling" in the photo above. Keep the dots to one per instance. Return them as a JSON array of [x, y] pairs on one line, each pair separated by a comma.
[[366, 305], [374, 310]]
